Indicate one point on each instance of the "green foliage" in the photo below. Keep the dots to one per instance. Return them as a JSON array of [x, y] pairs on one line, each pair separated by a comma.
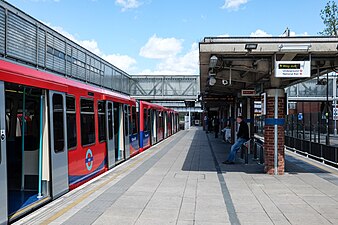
[[329, 16]]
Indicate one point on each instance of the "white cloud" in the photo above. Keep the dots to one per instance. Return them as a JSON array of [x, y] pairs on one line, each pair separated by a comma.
[[160, 48], [128, 4], [233, 4], [165, 49], [188, 64], [260, 33], [123, 62]]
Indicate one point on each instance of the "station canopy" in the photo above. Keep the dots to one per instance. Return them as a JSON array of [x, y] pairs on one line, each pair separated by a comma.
[[229, 65]]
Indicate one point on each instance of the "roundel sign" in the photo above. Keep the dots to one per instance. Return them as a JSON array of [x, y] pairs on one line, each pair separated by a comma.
[[89, 159]]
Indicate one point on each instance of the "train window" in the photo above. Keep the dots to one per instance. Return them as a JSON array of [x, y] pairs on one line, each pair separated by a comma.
[[102, 120], [145, 120], [71, 122], [58, 123], [110, 121], [87, 122], [134, 120]]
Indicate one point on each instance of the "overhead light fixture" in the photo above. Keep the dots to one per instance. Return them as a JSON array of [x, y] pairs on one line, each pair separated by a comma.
[[213, 61], [294, 47], [212, 79], [251, 46]]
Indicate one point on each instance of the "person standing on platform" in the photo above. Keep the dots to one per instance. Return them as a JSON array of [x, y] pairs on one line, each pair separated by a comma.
[[242, 137], [206, 121], [216, 126]]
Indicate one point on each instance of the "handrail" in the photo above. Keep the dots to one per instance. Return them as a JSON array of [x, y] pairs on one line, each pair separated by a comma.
[[260, 142]]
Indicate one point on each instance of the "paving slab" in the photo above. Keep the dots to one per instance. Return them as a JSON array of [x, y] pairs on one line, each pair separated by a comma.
[[182, 181]]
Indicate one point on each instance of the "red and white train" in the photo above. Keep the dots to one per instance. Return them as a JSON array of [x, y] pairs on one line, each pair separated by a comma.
[[58, 133]]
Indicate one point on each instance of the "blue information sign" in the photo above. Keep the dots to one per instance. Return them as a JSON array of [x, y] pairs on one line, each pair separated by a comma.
[[300, 116]]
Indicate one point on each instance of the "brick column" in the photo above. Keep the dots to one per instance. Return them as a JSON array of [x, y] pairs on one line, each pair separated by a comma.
[[269, 131]]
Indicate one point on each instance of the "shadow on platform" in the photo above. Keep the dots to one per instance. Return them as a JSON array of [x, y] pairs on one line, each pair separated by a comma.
[[201, 157]]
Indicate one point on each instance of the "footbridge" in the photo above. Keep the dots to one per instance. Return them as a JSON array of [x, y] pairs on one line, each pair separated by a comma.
[[168, 90]]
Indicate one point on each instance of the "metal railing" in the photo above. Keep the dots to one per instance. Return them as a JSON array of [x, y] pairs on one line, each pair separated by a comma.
[[258, 150], [320, 152]]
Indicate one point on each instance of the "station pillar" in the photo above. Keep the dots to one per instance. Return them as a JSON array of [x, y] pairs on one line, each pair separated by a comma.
[[248, 114], [274, 132]]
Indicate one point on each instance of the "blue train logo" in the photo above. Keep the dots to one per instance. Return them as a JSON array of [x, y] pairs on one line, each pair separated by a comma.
[[89, 159]]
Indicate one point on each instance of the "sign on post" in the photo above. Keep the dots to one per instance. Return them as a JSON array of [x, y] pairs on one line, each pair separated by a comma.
[[335, 113], [248, 92], [300, 116], [291, 69]]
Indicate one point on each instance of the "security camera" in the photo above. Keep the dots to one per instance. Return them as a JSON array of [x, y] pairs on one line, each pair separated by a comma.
[[225, 82]]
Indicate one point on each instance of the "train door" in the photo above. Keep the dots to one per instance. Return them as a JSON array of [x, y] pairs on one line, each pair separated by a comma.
[[147, 129], [174, 123], [154, 127], [58, 143], [171, 124], [126, 131], [165, 127], [118, 132], [24, 125], [134, 131], [160, 131], [3, 158], [110, 134]]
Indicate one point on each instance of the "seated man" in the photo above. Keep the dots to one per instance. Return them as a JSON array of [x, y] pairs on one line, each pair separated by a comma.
[[242, 137]]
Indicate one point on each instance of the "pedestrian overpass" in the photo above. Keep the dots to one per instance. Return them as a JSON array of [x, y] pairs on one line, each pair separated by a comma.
[[171, 91]]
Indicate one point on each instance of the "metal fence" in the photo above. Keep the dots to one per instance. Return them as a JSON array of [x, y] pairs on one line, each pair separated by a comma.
[[313, 127], [25, 40], [312, 135]]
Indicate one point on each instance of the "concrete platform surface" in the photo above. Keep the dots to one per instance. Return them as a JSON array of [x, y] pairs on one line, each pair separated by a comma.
[[182, 181]]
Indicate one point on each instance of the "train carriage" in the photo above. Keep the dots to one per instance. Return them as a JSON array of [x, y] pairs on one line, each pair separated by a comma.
[[57, 134], [155, 124]]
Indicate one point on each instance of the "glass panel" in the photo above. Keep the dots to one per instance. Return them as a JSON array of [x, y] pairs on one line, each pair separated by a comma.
[[70, 103], [71, 122], [110, 121], [101, 106], [134, 120], [87, 129], [126, 120], [145, 119], [102, 121], [87, 122], [71, 131], [58, 123], [87, 105], [116, 108]]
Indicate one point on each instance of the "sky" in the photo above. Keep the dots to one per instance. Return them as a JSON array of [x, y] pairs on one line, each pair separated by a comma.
[[160, 37]]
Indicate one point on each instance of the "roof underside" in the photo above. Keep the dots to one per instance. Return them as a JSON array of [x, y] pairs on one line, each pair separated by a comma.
[[254, 68]]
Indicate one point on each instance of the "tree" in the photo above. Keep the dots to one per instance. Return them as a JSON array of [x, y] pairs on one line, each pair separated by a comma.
[[329, 16]]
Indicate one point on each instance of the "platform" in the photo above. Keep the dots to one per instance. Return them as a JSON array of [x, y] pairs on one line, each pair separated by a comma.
[[182, 181]]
